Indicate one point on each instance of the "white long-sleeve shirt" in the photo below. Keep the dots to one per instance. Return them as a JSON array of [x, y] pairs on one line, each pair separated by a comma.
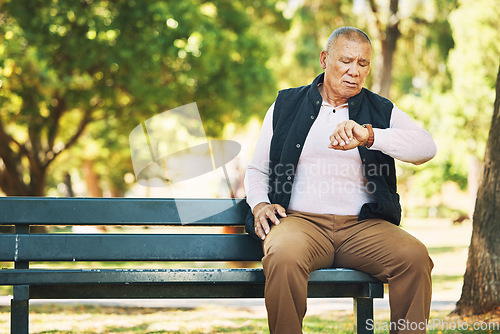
[[329, 181]]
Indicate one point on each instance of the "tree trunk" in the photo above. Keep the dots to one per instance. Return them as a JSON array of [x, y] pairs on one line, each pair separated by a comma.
[[23, 166], [68, 185], [388, 49], [389, 34], [12, 178], [91, 179], [481, 289]]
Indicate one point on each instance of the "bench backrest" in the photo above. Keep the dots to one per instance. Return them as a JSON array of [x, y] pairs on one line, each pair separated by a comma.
[[23, 212], [120, 211]]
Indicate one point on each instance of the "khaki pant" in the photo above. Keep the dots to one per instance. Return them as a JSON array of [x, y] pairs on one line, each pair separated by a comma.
[[304, 242]]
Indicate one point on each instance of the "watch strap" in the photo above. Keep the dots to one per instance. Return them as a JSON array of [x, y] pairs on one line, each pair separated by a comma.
[[371, 137]]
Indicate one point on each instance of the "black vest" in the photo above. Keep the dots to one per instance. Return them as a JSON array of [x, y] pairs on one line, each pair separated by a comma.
[[295, 111]]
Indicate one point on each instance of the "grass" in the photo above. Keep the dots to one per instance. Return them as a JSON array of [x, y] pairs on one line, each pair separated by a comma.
[[52, 318]]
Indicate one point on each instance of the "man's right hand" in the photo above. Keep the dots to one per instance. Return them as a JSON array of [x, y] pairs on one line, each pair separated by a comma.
[[263, 213]]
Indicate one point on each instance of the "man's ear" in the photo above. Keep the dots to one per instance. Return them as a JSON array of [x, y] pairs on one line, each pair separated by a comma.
[[322, 59]]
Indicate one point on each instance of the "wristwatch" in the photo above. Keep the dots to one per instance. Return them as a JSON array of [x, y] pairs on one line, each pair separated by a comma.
[[371, 138]]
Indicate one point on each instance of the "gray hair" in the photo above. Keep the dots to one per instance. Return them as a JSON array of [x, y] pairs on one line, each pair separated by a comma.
[[350, 32]]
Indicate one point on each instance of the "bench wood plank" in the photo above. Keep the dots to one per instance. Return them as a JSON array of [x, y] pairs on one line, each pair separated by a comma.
[[120, 211], [129, 247], [138, 276]]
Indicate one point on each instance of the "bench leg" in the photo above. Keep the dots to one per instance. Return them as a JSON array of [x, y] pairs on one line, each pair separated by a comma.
[[19, 310], [363, 315]]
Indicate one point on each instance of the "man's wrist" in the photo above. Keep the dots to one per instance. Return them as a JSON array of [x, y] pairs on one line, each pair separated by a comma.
[[259, 206], [371, 137]]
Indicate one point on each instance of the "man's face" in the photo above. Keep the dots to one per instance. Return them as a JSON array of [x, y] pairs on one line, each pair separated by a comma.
[[346, 67]]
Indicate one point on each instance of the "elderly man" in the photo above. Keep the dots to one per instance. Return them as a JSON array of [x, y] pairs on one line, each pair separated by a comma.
[[322, 189]]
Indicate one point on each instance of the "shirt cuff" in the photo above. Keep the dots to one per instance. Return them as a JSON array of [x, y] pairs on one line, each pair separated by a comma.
[[380, 139], [252, 201]]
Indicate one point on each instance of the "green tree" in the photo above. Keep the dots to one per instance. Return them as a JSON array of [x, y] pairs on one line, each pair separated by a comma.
[[454, 96], [422, 87], [312, 23], [70, 66]]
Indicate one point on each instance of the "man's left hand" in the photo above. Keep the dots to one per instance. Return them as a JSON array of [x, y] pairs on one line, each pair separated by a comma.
[[348, 135]]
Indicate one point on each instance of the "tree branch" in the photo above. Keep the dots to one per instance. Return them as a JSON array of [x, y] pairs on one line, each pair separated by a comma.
[[6, 138], [83, 124], [393, 18], [374, 9], [56, 115]]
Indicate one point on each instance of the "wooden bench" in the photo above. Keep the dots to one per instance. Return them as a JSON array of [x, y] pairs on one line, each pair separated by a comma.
[[20, 247]]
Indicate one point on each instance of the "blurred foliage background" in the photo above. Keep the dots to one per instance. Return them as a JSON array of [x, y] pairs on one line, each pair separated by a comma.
[[77, 76]]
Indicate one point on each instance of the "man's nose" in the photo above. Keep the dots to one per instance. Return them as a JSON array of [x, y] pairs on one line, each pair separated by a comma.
[[353, 69]]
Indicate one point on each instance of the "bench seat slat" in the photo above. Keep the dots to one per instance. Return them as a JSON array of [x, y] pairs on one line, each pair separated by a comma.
[[129, 247], [180, 283], [197, 275]]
